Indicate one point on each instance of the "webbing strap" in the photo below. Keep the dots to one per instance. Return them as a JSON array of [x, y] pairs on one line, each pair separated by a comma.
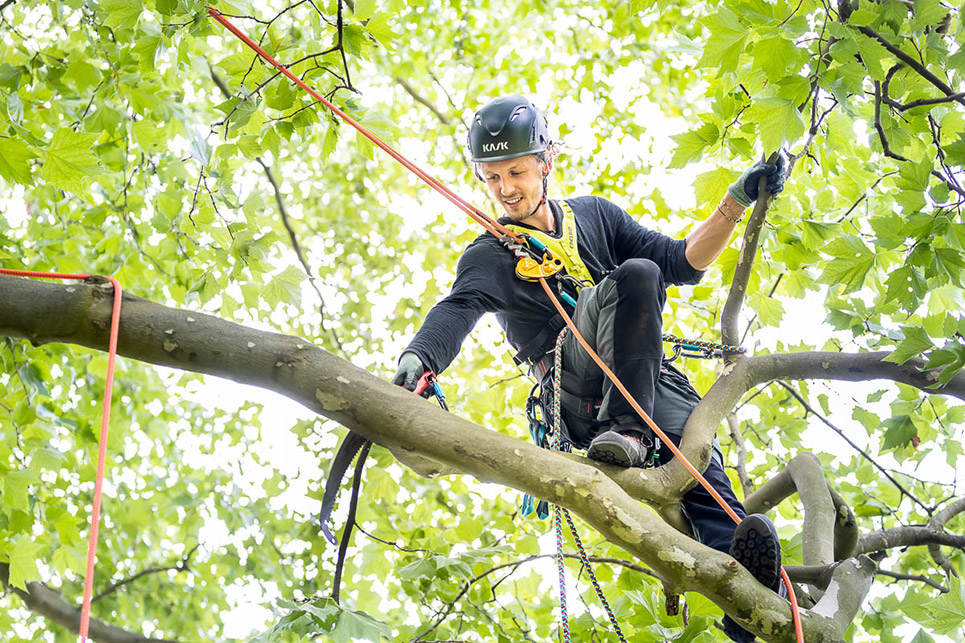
[[105, 423]]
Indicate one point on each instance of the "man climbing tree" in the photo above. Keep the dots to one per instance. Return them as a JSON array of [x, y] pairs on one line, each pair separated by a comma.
[[258, 241], [620, 316]]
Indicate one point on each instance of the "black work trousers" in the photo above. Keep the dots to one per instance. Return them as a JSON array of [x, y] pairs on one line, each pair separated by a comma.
[[622, 320]]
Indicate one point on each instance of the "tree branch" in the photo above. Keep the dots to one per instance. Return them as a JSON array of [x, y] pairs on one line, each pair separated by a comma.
[[914, 64], [915, 577], [735, 433], [181, 566], [908, 536], [745, 264], [51, 605], [407, 425], [745, 372], [419, 98]]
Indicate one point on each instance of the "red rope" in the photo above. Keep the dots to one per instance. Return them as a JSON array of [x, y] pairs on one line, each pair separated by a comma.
[[105, 422], [499, 231]]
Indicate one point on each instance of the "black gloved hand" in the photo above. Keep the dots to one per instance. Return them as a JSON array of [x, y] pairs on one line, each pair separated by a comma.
[[744, 189], [410, 370]]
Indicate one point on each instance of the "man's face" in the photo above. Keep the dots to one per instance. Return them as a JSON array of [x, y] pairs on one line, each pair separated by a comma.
[[517, 184]]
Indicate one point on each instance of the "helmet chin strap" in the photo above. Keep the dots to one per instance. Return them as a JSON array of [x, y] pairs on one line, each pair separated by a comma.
[[543, 198]]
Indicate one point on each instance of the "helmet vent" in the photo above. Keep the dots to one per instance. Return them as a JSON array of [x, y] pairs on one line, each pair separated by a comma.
[[519, 111]]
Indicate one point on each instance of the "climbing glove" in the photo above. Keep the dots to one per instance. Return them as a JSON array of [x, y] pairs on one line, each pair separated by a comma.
[[744, 189], [410, 370]]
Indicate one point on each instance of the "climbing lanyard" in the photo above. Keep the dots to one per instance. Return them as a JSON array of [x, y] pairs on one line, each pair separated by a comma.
[[105, 421], [521, 248]]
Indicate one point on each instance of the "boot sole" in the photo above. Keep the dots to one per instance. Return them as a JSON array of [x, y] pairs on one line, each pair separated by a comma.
[[609, 453], [758, 549]]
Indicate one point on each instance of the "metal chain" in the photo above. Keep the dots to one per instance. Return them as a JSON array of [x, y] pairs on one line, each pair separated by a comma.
[[557, 442]]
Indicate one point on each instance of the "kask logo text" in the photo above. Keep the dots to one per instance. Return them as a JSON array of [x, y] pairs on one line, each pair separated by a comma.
[[495, 147]]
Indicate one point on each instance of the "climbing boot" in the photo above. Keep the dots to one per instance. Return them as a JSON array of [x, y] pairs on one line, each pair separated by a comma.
[[622, 446], [756, 546]]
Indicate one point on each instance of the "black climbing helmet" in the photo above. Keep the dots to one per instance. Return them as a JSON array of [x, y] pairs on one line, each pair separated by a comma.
[[507, 128]]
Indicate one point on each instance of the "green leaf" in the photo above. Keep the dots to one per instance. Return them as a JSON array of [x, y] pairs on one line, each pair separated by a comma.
[[15, 158], [725, 43], [121, 14], [778, 122], [899, 432], [15, 490], [908, 286], [927, 13], [364, 9], [915, 343], [852, 263], [709, 186], [70, 558], [23, 562], [955, 151], [946, 613], [359, 626], [774, 54], [69, 163], [691, 145]]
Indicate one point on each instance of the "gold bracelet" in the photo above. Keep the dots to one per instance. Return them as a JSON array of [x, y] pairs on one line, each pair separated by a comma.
[[723, 212]]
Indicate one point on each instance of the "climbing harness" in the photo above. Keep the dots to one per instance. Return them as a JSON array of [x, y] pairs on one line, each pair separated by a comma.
[[105, 426], [520, 248], [563, 251]]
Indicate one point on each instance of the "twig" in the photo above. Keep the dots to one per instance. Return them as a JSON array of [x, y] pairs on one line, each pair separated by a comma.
[[915, 577], [419, 98], [283, 211], [854, 446], [881, 130], [450, 607], [914, 64], [182, 565]]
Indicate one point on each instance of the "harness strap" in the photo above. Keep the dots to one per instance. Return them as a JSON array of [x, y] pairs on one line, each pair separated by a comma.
[[540, 345]]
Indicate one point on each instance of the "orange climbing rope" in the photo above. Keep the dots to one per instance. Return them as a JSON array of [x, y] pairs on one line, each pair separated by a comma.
[[500, 232], [105, 421]]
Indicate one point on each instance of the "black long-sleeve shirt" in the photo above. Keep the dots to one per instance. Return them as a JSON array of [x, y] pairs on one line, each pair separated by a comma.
[[486, 280]]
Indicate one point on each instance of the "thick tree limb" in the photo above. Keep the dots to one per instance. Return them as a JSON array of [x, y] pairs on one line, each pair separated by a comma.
[[938, 521], [406, 424], [909, 536], [51, 605], [804, 475], [849, 585], [744, 373]]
